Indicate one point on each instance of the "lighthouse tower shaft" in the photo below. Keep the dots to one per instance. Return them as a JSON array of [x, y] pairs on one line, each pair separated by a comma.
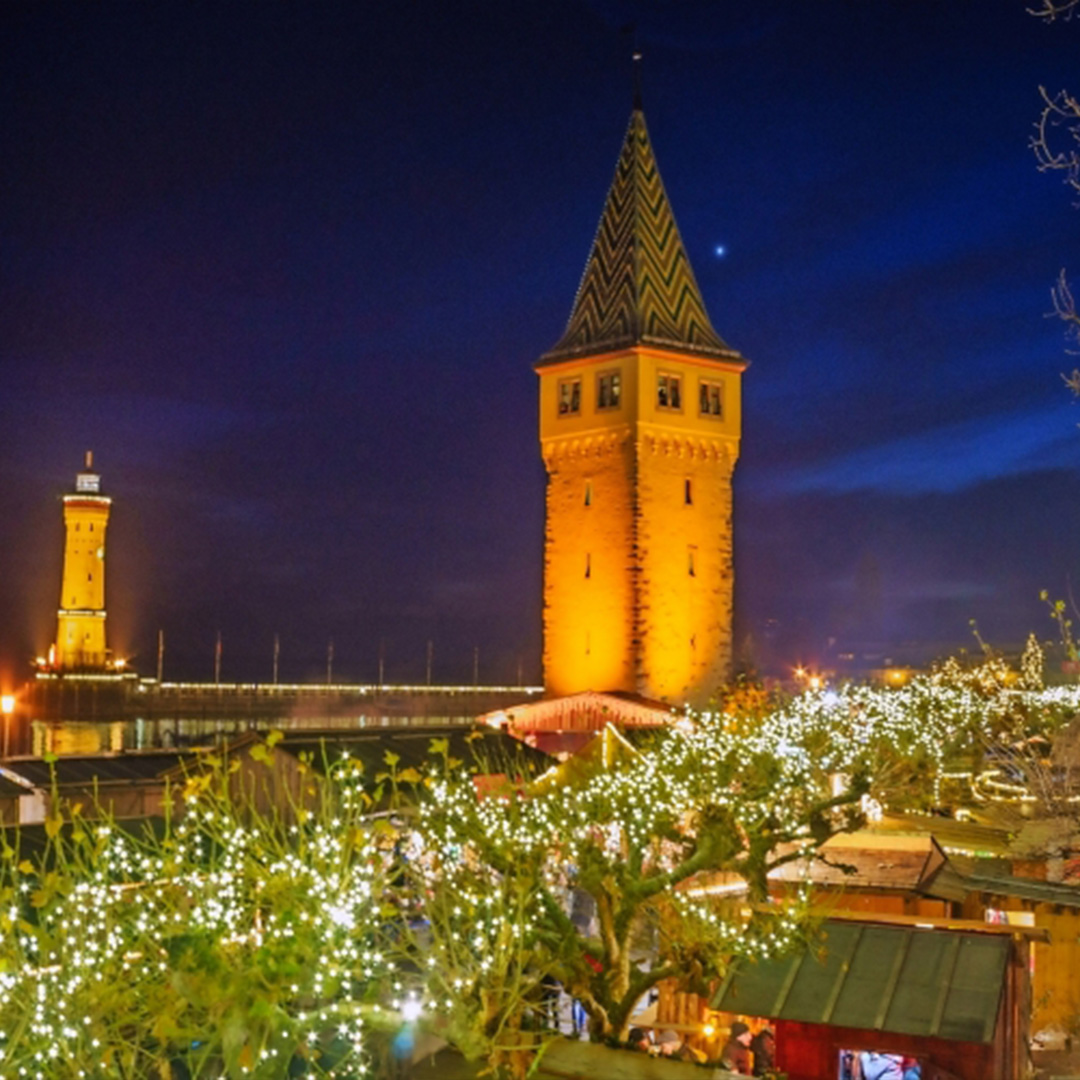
[[640, 424], [80, 628]]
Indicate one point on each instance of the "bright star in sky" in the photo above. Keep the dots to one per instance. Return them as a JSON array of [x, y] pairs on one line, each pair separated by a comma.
[[720, 251]]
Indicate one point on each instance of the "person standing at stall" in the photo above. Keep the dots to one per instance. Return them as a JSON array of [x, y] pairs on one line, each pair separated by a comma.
[[763, 1047], [735, 1056]]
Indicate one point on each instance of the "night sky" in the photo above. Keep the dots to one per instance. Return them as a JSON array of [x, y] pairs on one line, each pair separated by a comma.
[[285, 268]]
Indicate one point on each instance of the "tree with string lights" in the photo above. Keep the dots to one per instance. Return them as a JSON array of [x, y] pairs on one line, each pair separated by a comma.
[[225, 942], [669, 849]]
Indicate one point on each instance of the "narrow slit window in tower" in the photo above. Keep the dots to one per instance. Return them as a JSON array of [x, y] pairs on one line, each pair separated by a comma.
[[688, 493], [588, 493], [691, 566], [588, 565]]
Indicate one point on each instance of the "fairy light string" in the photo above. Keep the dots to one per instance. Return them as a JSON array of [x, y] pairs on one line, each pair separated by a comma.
[[120, 951]]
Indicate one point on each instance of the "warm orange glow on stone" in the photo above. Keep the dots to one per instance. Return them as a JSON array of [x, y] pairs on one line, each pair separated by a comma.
[[80, 629], [637, 555], [637, 567]]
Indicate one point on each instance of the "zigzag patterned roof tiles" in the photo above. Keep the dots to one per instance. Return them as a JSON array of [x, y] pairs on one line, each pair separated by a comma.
[[638, 287]]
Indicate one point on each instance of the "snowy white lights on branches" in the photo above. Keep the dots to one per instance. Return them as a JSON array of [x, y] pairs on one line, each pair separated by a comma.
[[238, 943], [232, 945]]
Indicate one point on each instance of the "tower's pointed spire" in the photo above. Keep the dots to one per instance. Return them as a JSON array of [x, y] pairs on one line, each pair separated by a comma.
[[638, 287]]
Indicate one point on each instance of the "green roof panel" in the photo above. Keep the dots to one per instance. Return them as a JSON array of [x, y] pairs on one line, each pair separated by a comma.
[[756, 988], [975, 989], [911, 981], [873, 965]]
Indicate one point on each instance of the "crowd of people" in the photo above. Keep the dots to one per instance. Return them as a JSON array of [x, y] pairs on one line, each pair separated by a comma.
[[874, 1065], [743, 1053], [749, 1054]]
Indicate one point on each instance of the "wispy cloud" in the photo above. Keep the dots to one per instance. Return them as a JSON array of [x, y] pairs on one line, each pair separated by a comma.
[[945, 459]]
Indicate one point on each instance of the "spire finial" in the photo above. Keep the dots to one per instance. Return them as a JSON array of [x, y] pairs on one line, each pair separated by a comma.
[[89, 459], [637, 80]]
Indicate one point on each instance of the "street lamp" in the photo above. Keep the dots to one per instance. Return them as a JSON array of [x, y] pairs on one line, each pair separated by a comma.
[[7, 707]]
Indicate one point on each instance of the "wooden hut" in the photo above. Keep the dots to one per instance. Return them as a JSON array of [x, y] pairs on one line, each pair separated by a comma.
[[955, 996]]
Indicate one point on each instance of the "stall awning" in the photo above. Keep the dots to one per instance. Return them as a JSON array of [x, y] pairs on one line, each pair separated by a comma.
[[906, 980]]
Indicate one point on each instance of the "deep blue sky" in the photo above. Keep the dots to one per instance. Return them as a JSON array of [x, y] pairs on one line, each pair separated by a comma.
[[286, 267]]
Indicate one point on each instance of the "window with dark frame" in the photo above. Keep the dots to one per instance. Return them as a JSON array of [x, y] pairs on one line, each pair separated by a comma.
[[669, 392], [608, 390], [569, 397], [711, 398]]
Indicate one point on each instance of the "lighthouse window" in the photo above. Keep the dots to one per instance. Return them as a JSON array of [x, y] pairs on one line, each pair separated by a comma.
[[608, 390], [569, 397], [669, 392], [710, 398]]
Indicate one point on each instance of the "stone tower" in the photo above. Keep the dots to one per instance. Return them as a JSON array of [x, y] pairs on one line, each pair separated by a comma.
[[80, 629], [639, 431]]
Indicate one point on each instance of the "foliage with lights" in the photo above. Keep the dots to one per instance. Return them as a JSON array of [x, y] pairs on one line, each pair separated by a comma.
[[948, 739], [262, 931], [225, 942], [617, 866], [656, 863]]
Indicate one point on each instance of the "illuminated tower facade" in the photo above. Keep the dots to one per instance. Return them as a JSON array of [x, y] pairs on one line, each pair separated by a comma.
[[80, 629], [640, 420]]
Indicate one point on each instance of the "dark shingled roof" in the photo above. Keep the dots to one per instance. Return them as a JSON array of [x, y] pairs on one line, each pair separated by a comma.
[[491, 750], [1040, 892], [963, 836], [867, 867], [9, 788], [130, 767]]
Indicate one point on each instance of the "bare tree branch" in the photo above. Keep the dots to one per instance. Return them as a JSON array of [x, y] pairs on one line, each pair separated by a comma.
[[1060, 111], [1065, 310], [1050, 10]]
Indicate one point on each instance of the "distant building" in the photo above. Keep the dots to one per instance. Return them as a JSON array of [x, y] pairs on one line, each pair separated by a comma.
[[640, 419], [80, 627]]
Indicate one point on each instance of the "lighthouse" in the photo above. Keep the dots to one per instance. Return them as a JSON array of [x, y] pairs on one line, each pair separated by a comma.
[[80, 625]]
